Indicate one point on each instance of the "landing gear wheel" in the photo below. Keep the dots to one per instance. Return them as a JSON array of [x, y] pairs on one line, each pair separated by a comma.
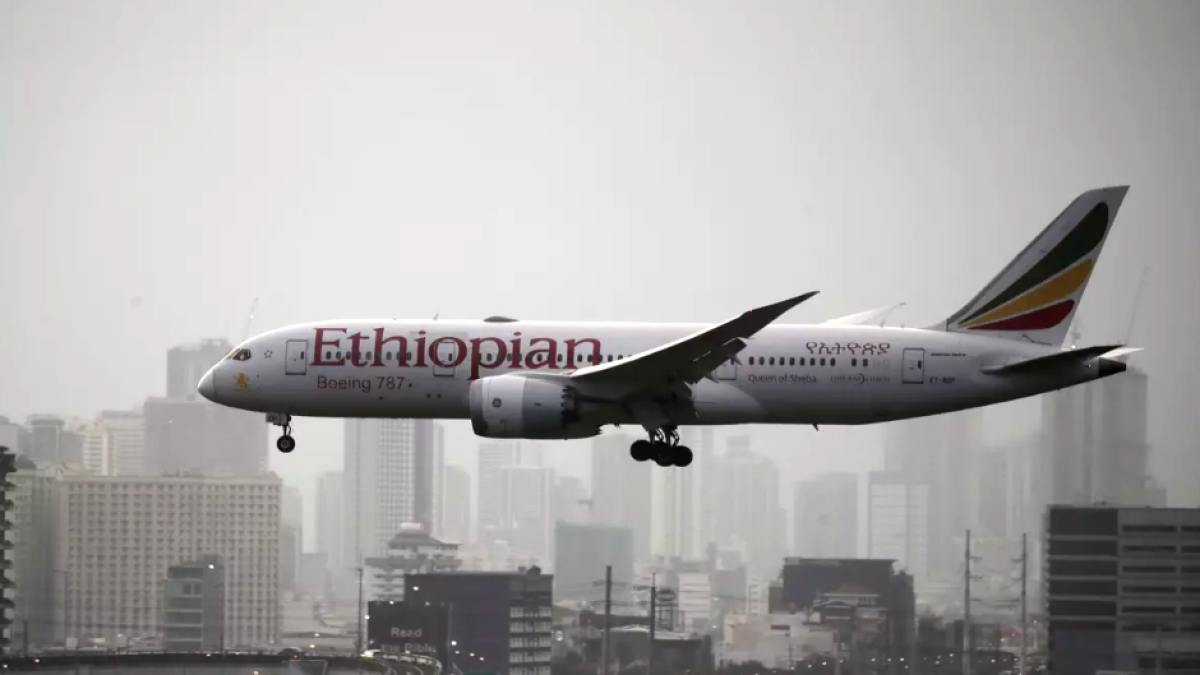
[[663, 454], [641, 450], [286, 443], [681, 455]]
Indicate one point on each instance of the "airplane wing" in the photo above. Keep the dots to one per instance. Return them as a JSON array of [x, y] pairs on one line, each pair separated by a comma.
[[863, 318], [690, 358]]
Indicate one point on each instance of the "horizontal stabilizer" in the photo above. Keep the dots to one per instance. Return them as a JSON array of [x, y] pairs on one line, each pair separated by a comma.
[[864, 318], [1056, 360]]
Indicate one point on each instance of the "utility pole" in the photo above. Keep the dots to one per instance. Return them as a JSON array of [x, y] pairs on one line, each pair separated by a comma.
[[1024, 602], [966, 667], [607, 617], [653, 620]]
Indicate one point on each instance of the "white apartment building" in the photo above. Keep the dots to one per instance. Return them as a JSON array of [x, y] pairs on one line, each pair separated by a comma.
[[117, 537]]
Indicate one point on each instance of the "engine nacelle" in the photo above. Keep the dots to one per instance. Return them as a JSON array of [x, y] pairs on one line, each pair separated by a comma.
[[518, 406]]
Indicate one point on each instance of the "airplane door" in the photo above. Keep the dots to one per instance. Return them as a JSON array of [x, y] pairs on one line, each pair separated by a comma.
[[447, 352], [726, 371], [914, 366], [297, 357]]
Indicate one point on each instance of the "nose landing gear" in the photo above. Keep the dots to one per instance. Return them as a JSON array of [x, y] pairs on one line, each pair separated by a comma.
[[663, 447], [284, 443]]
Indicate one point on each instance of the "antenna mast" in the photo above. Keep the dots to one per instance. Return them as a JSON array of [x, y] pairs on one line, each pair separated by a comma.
[[249, 320]]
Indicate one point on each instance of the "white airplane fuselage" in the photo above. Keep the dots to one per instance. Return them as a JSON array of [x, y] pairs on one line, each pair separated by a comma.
[[543, 380], [789, 374]]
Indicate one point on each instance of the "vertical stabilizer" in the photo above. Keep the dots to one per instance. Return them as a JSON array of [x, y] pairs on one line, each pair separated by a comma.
[[1035, 297]]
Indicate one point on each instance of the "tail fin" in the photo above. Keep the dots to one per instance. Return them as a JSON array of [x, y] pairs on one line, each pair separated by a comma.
[[1035, 297]]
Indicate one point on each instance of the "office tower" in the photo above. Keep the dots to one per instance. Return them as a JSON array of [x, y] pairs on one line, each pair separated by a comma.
[[1121, 588], [456, 505], [388, 482], [942, 453], [826, 517], [194, 598], [125, 436], [501, 622], [1095, 445], [201, 438], [437, 469], [120, 535], [898, 523], [581, 553], [621, 491], [186, 364], [47, 438], [528, 493], [750, 519], [331, 523], [679, 503], [707, 506], [493, 458], [35, 537], [571, 503], [291, 540]]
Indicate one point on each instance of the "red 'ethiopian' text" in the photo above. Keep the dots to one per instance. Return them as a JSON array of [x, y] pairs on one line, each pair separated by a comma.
[[377, 349]]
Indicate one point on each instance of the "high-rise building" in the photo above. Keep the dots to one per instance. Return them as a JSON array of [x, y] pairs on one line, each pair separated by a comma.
[[826, 517], [528, 494], [186, 364], [35, 538], [119, 535], [456, 505], [751, 520], [898, 523], [494, 457], [125, 434], [571, 503], [201, 438], [194, 599], [941, 453], [47, 438], [679, 504], [621, 491], [1095, 445], [388, 482], [581, 553], [1121, 589], [291, 544], [331, 523]]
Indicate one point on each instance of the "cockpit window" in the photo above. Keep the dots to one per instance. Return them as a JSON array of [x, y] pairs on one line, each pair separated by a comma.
[[241, 355]]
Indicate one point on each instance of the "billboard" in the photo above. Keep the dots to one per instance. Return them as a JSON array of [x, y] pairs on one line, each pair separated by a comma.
[[398, 628]]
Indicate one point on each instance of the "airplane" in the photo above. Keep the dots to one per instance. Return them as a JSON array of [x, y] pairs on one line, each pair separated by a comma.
[[550, 380]]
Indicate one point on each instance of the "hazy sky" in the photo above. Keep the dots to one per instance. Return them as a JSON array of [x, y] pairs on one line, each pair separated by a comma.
[[164, 163]]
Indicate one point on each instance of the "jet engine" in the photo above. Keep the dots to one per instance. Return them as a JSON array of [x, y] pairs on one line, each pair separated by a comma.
[[519, 406]]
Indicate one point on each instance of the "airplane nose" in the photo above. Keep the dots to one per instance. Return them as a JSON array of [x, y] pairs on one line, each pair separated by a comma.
[[207, 388]]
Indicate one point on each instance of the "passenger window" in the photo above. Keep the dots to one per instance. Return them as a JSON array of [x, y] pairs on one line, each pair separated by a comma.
[[822, 361], [368, 356], [772, 360], [242, 355], [865, 364], [338, 354], [833, 362], [854, 362], [387, 356], [801, 360], [792, 361]]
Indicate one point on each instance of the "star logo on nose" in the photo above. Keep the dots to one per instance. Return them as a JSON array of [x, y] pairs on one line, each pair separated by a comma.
[[267, 354]]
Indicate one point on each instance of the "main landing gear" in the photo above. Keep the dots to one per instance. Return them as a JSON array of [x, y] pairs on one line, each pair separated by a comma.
[[285, 443], [663, 447]]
